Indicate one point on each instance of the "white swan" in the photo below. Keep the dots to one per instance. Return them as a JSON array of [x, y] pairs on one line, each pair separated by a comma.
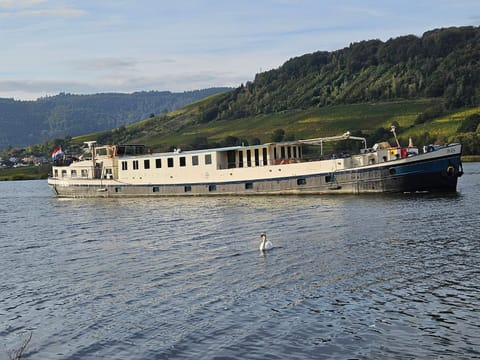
[[264, 243]]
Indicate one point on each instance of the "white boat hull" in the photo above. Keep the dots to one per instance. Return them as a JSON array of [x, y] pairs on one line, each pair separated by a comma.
[[435, 171]]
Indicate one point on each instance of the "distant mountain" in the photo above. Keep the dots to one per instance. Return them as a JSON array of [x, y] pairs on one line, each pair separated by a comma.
[[30, 122]]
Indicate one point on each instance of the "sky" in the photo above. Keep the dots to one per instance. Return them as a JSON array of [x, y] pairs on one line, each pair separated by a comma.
[[94, 46]]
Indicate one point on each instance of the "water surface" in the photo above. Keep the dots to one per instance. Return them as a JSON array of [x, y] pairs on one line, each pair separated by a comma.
[[350, 276]]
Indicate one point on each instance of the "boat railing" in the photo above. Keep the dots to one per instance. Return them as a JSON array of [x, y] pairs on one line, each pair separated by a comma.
[[320, 141], [64, 162]]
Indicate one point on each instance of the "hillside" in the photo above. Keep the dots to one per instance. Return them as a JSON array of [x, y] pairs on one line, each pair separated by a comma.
[[428, 86], [29, 122], [443, 63]]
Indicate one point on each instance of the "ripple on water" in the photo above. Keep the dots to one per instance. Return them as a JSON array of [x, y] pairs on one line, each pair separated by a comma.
[[357, 277]]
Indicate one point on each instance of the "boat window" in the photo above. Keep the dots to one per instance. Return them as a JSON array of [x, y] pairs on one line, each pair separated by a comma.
[[131, 150], [158, 163], [170, 162], [124, 165], [118, 189], [248, 185], [146, 164], [264, 156], [301, 181], [275, 153], [240, 159], [56, 173], [282, 152], [155, 189], [249, 158], [295, 152], [84, 173], [231, 159], [135, 164], [183, 161], [195, 160], [212, 187], [208, 159], [257, 157], [101, 151], [64, 173], [74, 173], [187, 188], [289, 152]]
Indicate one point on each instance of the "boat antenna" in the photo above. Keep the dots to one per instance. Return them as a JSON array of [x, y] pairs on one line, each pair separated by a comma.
[[392, 129]]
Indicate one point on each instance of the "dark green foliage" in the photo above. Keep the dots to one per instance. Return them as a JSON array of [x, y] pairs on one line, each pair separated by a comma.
[[200, 143], [470, 124], [443, 63], [278, 135], [209, 114], [231, 141], [470, 143], [379, 135], [430, 114]]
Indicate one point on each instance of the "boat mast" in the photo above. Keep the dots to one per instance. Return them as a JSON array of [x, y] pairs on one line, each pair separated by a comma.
[[91, 147], [392, 129]]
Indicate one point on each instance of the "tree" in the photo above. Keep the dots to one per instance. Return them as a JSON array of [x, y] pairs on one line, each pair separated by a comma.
[[470, 124], [278, 135]]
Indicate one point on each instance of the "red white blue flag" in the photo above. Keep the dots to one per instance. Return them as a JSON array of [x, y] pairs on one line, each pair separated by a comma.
[[57, 153]]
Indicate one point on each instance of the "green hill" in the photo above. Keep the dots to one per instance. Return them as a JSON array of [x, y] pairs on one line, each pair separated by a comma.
[[427, 86], [442, 63]]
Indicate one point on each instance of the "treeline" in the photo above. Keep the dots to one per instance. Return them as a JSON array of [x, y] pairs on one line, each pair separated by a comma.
[[31, 122], [443, 63]]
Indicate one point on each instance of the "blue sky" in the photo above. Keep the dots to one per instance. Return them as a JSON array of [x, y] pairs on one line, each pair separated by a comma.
[[91, 46]]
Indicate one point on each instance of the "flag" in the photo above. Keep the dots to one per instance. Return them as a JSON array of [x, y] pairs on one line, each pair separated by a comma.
[[57, 153]]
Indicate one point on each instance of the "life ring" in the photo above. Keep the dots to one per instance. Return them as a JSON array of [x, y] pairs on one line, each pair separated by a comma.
[[450, 170]]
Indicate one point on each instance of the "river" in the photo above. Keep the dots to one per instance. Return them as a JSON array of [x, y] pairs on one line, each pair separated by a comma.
[[365, 277]]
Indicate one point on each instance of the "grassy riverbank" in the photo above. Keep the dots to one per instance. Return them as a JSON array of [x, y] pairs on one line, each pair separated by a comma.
[[25, 173]]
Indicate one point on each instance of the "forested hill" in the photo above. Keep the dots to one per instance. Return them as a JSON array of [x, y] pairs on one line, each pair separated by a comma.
[[443, 63], [31, 122]]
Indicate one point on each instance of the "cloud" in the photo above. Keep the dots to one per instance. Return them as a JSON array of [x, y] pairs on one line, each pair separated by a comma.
[[126, 83], [41, 86], [37, 8], [19, 3], [475, 19], [103, 64], [55, 12], [364, 11]]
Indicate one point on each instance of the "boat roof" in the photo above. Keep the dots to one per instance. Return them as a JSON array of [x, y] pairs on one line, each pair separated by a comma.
[[313, 141], [230, 148]]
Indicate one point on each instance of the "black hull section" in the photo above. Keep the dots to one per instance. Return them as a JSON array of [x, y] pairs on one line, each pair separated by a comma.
[[426, 182], [438, 175]]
